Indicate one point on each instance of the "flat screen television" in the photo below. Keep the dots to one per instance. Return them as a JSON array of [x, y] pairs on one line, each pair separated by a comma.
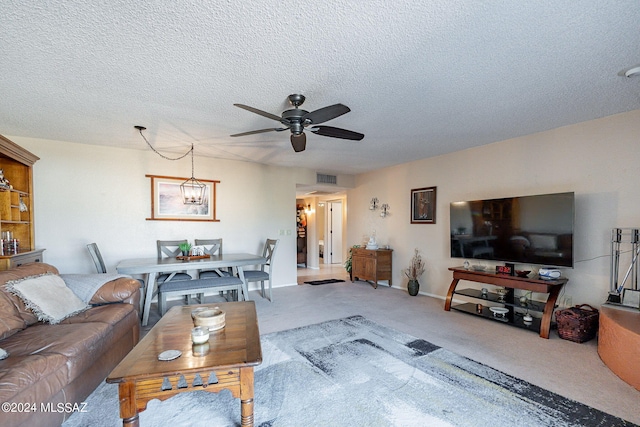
[[527, 229]]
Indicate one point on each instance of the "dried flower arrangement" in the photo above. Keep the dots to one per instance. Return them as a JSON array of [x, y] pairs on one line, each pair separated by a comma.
[[416, 268]]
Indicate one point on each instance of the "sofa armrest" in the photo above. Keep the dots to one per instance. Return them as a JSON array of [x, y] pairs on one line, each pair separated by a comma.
[[123, 289]]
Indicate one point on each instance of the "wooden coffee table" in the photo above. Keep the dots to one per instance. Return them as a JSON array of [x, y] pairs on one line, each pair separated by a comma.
[[228, 364]]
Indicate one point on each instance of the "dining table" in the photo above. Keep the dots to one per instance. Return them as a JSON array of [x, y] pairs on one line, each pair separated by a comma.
[[151, 267]]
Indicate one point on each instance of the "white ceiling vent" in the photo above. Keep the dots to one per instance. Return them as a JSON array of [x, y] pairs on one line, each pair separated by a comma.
[[323, 178]]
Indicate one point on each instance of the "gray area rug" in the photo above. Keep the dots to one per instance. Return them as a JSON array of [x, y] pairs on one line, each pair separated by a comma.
[[354, 372]]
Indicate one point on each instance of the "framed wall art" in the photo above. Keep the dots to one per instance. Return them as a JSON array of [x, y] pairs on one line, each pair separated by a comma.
[[167, 203], [423, 205]]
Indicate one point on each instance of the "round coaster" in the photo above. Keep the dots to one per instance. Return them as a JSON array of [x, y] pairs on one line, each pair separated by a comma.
[[169, 355]]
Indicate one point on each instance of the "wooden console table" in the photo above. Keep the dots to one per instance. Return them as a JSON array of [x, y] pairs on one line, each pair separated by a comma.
[[371, 265], [550, 287]]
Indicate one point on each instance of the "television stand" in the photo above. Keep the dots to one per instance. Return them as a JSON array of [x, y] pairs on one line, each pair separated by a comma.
[[541, 325]]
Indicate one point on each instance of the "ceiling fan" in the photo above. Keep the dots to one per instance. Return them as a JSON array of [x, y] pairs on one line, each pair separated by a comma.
[[297, 119]]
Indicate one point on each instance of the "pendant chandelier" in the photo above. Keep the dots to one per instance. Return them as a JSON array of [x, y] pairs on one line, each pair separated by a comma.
[[192, 190]]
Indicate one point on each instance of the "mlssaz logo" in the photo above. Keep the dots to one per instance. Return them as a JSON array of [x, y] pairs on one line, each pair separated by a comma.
[[63, 407]]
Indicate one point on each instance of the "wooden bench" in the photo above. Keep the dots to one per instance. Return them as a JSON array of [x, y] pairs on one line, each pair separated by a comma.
[[196, 286]]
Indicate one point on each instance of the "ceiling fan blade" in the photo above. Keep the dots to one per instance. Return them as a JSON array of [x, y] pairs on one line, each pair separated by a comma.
[[299, 142], [325, 114], [337, 133], [260, 112], [259, 131]]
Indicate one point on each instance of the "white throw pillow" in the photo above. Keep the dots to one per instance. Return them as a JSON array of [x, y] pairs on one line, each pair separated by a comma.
[[48, 297]]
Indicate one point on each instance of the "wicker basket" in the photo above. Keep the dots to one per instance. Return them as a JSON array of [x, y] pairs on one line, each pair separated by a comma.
[[577, 324]]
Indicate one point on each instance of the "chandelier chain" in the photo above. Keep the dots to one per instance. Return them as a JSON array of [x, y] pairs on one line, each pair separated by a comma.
[[165, 157], [192, 170], [193, 191]]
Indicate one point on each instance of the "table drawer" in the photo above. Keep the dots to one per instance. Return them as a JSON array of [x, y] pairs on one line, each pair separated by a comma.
[[26, 258], [207, 380], [365, 253]]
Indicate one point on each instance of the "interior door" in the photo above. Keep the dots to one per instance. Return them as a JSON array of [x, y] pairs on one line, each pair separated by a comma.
[[335, 233]]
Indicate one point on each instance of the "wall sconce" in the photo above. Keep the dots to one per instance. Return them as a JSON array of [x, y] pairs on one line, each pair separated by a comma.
[[373, 205], [307, 208], [384, 210]]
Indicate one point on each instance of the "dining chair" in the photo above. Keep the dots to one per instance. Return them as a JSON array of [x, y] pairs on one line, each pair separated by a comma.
[[97, 257], [170, 249], [211, 247], [261, 275]]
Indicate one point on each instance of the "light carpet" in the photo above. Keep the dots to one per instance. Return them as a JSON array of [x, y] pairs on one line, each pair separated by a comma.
[[354, 372]]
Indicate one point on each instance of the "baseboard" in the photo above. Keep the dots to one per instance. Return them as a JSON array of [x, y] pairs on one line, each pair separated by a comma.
[[427, 294], [255, 286]]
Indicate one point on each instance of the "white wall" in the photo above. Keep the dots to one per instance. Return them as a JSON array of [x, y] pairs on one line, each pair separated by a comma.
[[99, 194], [86, 193], [599, 160]]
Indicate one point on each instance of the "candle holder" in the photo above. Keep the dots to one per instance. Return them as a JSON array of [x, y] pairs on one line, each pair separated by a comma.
[[200, 335]]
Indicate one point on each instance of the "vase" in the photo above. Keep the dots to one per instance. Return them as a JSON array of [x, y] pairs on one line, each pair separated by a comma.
[[413, 287]]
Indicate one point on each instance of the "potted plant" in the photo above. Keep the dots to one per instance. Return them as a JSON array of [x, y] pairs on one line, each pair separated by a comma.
[[185, 248], [347, 263], [415, 270]]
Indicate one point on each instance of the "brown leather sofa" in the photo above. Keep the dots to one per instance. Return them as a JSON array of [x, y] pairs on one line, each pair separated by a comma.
[[51, 369]]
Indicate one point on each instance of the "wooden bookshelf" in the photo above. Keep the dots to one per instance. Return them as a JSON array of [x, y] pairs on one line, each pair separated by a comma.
[[16, 202]]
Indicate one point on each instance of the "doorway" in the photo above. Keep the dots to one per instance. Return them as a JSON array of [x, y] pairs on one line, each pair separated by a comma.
[[333, 235], [321, 229]]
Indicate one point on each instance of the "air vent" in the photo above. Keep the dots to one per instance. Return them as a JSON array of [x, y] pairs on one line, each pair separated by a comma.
[[322, 178], [321, 193]]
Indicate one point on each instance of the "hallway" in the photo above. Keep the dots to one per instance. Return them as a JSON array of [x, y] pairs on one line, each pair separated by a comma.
[[326, 271]]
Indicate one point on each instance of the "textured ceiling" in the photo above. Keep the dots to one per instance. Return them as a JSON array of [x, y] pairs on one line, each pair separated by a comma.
[[422, 78]]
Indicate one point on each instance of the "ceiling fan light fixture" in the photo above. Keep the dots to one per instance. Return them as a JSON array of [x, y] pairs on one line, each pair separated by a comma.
[[299, 142], [296, 128]]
